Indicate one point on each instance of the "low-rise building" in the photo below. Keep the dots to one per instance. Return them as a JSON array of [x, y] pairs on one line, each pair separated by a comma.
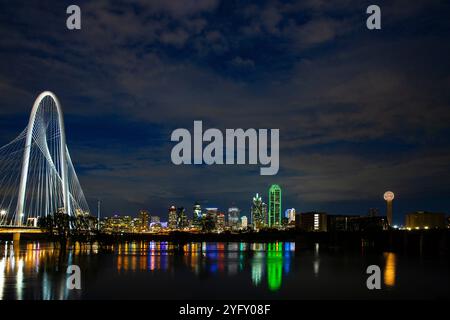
[[336, 223], [425, 220], [312, 221]]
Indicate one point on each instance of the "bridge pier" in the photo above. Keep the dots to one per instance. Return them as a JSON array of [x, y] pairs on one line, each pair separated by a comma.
[[16, 236]]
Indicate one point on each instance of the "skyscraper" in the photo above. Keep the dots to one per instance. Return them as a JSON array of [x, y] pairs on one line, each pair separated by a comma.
[[233, 218], [244, 222], [290, 215], [220, 225], [210, 219], [197, 219], [275, 206], [144, 221], [172, 218], [182, 221], [258, 211], [264, 213]]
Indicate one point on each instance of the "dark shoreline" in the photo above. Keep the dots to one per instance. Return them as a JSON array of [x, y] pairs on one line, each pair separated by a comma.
[[433, 242]]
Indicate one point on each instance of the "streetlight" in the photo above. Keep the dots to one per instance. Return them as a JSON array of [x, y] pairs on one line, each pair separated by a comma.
[[3, 212]]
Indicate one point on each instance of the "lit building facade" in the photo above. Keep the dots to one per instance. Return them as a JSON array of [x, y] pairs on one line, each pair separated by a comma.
[[425, 220], [233, 218], [313, 221], [117, 224], [274, 206], [264, 213], [172, 223], [198, 216], [144, 221], [210, 219], [244, 222], [220, 225], [182, 221], [353, 223], [290, 215], [259, 213]]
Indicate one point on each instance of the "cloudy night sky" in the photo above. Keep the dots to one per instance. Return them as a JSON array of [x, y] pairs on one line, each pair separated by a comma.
[[359, 111]]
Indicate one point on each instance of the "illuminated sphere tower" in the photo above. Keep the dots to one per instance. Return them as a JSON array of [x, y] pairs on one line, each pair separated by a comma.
[[275, 205], [389, 197]]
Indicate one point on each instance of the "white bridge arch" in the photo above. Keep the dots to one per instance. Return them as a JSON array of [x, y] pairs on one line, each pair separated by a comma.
[[37, 174]]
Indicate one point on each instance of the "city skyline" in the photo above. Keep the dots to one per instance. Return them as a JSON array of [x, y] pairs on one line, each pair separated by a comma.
[[196, 210], [356, 117]]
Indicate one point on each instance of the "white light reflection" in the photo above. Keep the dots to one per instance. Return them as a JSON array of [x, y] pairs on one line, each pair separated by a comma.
[[2, 276], [19, 280]]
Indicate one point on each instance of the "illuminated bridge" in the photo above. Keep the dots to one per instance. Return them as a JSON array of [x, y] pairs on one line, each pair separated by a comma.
[[37, 177]]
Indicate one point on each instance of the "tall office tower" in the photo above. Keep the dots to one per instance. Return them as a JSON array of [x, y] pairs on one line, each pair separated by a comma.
[[389, 197], [197, 218], [172, 223], [290, 215], [210, 219], [182, 221], [233, 218], [258, 211], [265, 213], [274, 205], [244, 222], [144, 221], [220, 225]]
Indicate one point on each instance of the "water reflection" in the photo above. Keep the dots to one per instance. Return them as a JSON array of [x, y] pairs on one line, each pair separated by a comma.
[[34, 270], [205, 258], [316, 262], [274, 266], [390, 269], [43, 265], [30, 266], [257, 268]]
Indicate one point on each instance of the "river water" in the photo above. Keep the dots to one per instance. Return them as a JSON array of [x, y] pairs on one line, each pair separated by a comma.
[[214, 270]]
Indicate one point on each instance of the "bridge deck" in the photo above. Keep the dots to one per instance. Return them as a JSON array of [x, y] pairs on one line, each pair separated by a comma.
[[8, 229]]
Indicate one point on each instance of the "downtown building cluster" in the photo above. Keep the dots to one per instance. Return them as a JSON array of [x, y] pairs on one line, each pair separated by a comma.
[[209, 219], [268, 216]]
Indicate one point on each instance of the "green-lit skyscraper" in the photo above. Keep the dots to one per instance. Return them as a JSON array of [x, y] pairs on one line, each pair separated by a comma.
[[275, 206]]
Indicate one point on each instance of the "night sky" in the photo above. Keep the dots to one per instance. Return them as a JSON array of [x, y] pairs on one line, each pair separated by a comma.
[[359, 112]]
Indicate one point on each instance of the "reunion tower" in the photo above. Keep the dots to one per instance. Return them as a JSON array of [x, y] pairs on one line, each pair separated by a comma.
[[389, 197]]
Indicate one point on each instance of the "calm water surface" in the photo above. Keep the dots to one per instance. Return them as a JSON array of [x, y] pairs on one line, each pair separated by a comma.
[[216, 270]]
